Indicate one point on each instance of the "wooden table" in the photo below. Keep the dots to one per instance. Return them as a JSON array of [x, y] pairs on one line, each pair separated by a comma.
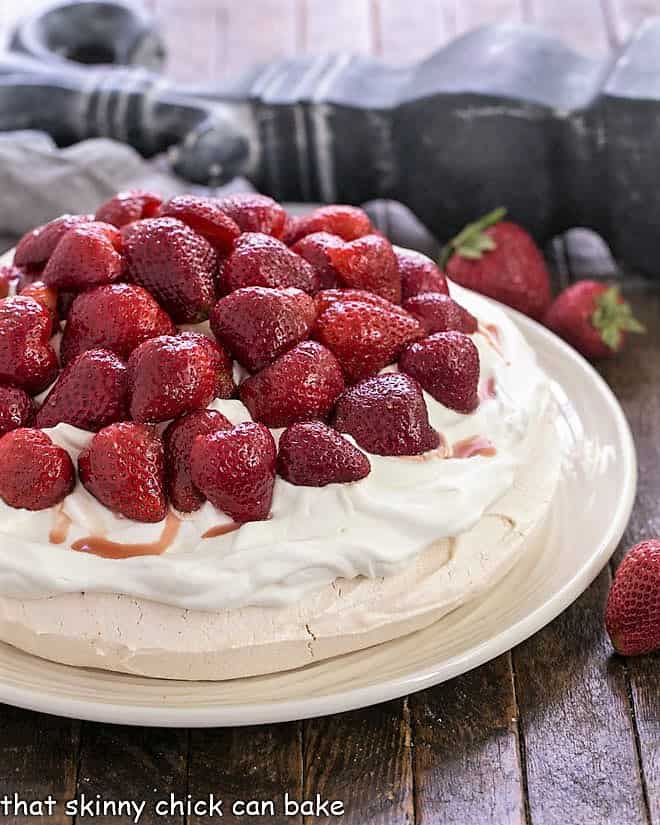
[[559, 730]]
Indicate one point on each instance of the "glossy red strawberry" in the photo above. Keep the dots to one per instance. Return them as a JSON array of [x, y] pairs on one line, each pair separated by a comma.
[[123, 466], [27, 359], [348, 222], [235, 470], [501, 260], [255, 213], [175, 264], [328, 297], [46, 296], [368, 263], [171, 375], [86, 256], [118, 317], [178, 439], [387, 415], [593, 318], [91, 392], [300, 385], [437, 312], [257, 324], [129, 206], [206, 216], [36, 246], [315, 249], [9, 277], [632, 616], [447, 366], [312, 454], [364, 337], [17, 409], [34, 473], [260, 260], [419, 274]]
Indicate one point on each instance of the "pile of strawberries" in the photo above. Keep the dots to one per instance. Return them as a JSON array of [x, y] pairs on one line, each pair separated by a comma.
[[311, 308]]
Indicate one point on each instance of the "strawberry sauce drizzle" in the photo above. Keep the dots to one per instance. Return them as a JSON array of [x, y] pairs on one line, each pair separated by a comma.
[[60, 529], [493, 336], [488, 390], [220, 530], [116, 550], [475, 445]]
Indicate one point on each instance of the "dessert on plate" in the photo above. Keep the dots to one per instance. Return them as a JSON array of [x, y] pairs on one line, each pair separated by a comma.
[[234, 442]]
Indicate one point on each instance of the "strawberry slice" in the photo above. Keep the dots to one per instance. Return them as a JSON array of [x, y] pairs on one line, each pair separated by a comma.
[[123, 466], [312, 454], [235, 470], [90, 393], [364, 337], [34, 473], [300, 385]]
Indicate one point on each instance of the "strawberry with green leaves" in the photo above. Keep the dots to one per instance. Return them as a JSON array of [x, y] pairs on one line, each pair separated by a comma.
[[593, 318], [499, 259]]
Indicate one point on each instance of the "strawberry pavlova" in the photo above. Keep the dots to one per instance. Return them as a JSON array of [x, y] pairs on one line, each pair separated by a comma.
[[235, 442]]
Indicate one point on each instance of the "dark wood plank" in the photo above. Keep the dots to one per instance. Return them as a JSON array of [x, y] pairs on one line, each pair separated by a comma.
[[578, 734], [580, 25], [38, 757], [466, 756], [254, 763], [411, 31], [131, 763], [362, 759]]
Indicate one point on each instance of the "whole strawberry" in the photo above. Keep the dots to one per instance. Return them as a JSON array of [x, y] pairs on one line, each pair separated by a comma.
[[255, 213], [129, 206], [365, 337], [314, 455], [36, 246], [86, 256], [419, 274], [34, 473], [447, 366], [123, 466], [592, 318], [257, 324], [118, 317], [302, 384], [27, 359], [499, 259], [46, 296], [315, 249], [174, 374], [9, 276], [632, 615], [387, 415], [347, 222], [91, 392], [235, 470], [178, 439], [17, 409], [261, 260], [206, 217], [175, 264], [368, 263], [328, 297], [437, 312]]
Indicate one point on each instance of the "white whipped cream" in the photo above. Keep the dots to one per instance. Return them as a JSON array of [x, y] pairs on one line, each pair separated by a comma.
[[374, 527]]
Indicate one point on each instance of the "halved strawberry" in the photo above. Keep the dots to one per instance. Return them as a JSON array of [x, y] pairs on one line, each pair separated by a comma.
[[175, 264], [206, 216], [365, 337], [129, 206], [34, 473], [260, 260], [27, 359], [368, 263], [91, 392], [302, 384], [123, 466], [118, 317], [257, 324]]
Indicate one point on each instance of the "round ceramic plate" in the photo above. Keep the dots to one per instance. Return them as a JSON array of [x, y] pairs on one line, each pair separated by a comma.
[[595, 495]]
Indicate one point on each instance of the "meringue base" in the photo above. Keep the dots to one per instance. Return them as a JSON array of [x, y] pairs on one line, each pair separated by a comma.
[[121, 633]]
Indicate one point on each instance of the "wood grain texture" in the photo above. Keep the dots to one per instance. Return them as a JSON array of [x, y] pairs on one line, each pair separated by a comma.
[[253, 763], [127, 763], [362, 758], [38, 756], [576, 724], [466, 756]]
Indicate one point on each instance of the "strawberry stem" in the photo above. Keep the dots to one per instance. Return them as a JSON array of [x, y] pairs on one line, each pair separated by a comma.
[[472, 241], [612, 317]]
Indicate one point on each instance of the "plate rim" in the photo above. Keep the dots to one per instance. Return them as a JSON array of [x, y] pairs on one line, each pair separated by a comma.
[[281, 711]]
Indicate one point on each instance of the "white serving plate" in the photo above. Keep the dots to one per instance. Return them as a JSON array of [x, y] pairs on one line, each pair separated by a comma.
[[588, 517]]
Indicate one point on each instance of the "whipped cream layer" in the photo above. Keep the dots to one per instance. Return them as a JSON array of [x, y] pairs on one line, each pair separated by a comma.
[[373, 528]]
